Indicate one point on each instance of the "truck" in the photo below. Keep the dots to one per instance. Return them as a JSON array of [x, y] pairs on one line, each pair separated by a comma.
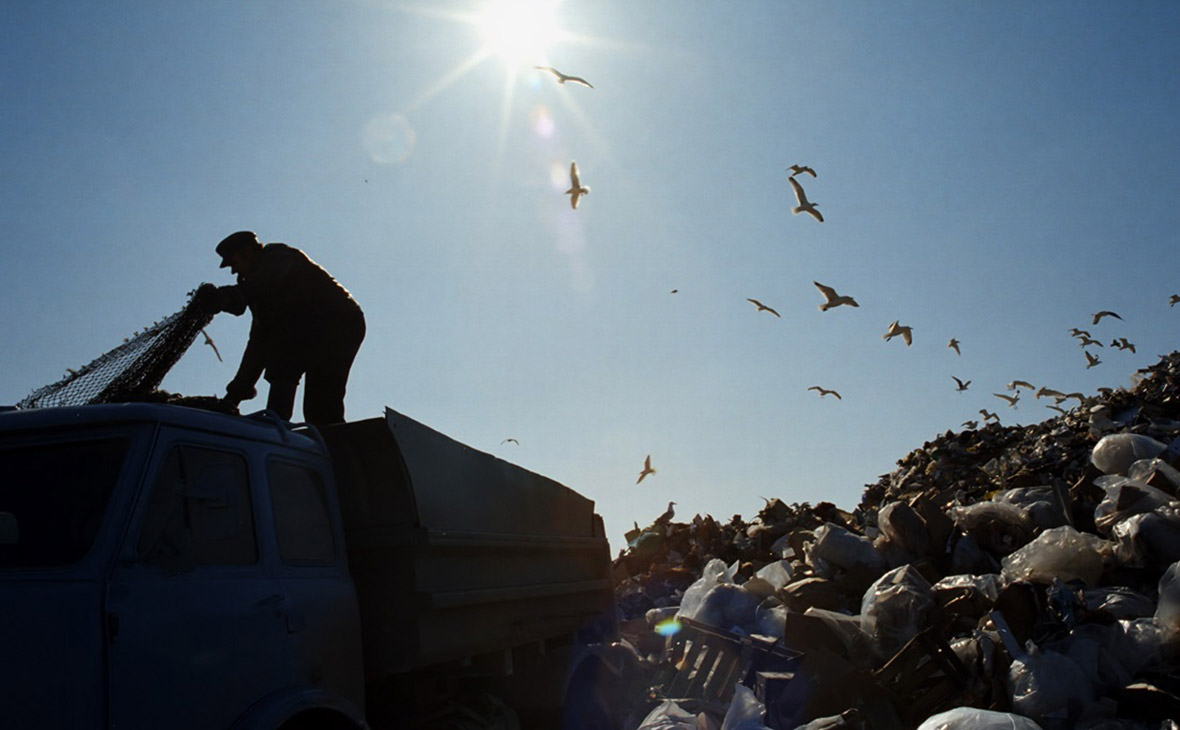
[[165, 566]]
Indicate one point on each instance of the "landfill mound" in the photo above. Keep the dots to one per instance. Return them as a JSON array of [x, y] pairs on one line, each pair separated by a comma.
[[133, 370], [1005, 576]]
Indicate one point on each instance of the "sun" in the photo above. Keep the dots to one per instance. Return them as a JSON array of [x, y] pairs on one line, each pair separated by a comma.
[[519, 32]]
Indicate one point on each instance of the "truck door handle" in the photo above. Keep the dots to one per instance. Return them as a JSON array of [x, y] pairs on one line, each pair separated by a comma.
[[282, 608]]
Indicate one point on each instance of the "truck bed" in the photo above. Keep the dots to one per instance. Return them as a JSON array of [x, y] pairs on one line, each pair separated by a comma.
[[456, 553]]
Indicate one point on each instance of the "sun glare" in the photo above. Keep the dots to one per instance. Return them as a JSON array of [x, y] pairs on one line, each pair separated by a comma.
[[519, 31]]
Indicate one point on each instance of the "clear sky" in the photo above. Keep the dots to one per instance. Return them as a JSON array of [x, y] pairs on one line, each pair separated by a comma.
[[993, 172]]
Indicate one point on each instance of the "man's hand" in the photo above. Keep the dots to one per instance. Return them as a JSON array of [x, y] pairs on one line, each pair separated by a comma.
[[238, 391], [206, 299]]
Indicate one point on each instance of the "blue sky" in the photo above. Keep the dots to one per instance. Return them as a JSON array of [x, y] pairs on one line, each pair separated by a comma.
[[993, 172]]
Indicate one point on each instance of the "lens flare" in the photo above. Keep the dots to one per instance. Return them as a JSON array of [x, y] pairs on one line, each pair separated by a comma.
[[668, 627], [389, 139], [542, 121]]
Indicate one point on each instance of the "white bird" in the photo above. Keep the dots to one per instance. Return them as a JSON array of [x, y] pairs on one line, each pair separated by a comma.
[[763, 308], [1012, 399], [647, 469], [562, 78], [1020, 384], [1086, 341], [1104, 313], [954, 345], [824, 391], [971, 424], [801, 169], [1091, 359], [1078, 333], [1123, 344], [1046, 392], [988, 415], [577, 189], [668, 514], [962, 384], [210, 343], [833, 299], [905, 331], [805, 206]]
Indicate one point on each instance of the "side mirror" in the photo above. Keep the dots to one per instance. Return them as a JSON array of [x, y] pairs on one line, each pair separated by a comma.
[[9, 529]]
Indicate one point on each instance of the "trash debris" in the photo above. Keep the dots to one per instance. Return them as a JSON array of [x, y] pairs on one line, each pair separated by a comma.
[[1000, 577]]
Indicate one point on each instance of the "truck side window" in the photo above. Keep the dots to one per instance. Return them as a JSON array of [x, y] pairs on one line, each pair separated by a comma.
[[302, 521], [200, 512]]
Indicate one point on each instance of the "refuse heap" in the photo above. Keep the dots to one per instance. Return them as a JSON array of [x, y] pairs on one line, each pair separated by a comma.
[[1006, 576]]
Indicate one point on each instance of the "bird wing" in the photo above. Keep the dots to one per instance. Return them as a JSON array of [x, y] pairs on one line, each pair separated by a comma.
[[908, 335], [575, 181], [799, 194], [828, 292], [550, 69], [575, 194], [579, 80]]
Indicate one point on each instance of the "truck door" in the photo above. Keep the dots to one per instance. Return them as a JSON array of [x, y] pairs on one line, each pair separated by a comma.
[[196, 622]]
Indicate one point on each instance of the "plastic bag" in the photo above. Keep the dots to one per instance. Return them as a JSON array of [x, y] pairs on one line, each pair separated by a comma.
[[845, 628], [745, 711], [998, 527], [1125, 498], [894, 609], [668, 716], [904, 527], [770, 620], [1120, 602], [778, 573], [1040, 503], [970, 718], [1049, 687], [1167, 611], [1114, 454], [987, 585], [715, 572], [1063, 553], [1144, 469], [1140, 645], [728, 606], [1150, 537], [836, 548]]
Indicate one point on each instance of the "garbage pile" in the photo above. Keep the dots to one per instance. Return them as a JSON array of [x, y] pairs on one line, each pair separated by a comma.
[[1005, 576]]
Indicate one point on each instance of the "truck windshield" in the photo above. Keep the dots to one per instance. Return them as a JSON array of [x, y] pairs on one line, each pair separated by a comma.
[[52, 500]]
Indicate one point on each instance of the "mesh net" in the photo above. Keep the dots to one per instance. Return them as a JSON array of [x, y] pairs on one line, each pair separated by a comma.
[[132, 371]]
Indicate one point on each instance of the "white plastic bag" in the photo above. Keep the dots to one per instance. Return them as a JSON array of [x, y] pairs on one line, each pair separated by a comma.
[[1167, 610], [1063, 553], [893, 609], [970, 718], [837, 548], [714, 573], [745, 711], [668, 716], [1115, 453], [1049, 687]]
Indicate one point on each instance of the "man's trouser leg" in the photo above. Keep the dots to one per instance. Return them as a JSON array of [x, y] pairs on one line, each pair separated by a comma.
[[281, 398], [327, 380]]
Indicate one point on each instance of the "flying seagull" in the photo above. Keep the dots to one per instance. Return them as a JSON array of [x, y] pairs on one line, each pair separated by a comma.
[[562, 78], [962, 384], [1084, 341], [1078, 333], [1046, 392], [971, 424], [895, 329], [801, 169], [805, 206], [824, 391], [1020, 384], [1059, 409], [988, 415], [647, 469], [954, 345], [763, 308], [1172, 300], [1091, 359], [510, 441], [210, 343], [1012, 399], [833, 299], [577, 189], [1104, 313], [1123, 344]]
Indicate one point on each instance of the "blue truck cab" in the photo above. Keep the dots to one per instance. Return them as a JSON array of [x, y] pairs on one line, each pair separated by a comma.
[[169, 567]]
